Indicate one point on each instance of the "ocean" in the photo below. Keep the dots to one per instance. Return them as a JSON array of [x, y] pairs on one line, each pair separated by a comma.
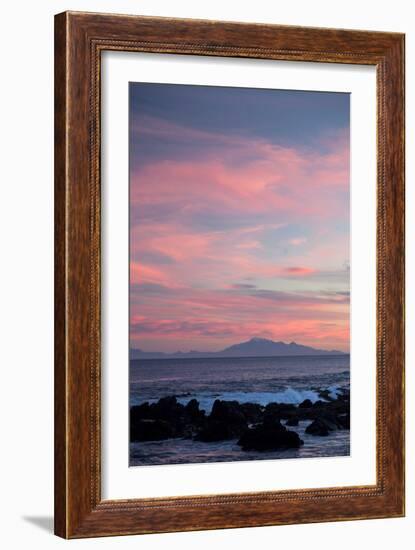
[[259, 380]]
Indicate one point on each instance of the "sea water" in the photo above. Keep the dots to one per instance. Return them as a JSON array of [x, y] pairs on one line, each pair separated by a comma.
[[259, 380]]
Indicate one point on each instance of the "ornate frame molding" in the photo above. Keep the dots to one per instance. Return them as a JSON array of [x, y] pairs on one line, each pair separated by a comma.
[[79, 40]]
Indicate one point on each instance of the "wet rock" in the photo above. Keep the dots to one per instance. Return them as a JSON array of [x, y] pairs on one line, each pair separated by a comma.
[[269, 436], [252, 412], [140, 412], [317, 427], [227, 411], [344, 421], [338, 407], [230, 420], [226, 421], [193, 412], [279, 411], [168, 419], [331, 422], [343, 395], [151, 430], [167, 408], [274, 407], [323, 425], [325, 394]]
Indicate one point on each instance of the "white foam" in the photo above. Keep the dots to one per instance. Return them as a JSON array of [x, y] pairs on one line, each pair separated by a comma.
[[289, 396], [335, 391]]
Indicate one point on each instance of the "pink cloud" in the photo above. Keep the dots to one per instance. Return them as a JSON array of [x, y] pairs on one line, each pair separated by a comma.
[[254, 175], [200, 330], [244, 312], [298, 241], [298, 271], [207, 277], [141, 273]]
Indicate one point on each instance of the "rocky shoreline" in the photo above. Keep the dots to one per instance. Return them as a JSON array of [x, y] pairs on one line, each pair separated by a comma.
[[255, 427]]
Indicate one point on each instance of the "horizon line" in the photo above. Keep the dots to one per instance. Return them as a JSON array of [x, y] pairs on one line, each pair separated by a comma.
[[181, 352]]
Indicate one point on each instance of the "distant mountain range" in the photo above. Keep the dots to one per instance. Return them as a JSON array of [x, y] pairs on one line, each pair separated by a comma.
[[255, 347]]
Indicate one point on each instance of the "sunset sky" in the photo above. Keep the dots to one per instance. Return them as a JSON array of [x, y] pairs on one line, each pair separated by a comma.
[[239, 217]]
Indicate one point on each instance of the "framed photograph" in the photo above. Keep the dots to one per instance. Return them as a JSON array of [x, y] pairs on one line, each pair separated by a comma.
[[229, 275]]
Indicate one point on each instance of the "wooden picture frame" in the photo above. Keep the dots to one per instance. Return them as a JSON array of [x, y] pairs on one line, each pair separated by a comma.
[[79, 40]]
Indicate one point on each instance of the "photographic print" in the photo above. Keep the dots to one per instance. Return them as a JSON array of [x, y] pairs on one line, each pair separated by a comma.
[[202, 275], [239, 274]]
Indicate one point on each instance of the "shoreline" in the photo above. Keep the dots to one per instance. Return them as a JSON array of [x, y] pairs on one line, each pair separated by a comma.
[[153, 356], [253, 427], [182, 452]]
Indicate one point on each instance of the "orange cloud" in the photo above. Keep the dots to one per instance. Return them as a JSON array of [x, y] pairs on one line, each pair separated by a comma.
[[298, 271]]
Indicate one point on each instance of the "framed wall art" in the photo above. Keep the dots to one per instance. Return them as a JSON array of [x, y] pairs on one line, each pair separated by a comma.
[[229, 275]]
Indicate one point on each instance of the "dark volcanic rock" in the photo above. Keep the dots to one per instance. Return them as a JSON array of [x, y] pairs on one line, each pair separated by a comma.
[[165, 419], [228, 411], [192, 407], [230, 420], [167, 408], [325, 394], [270, 436], [278, 407], [327, 409], [192, 410], [323, 425], [317, 427], [252, 412], [278, 411], [151, 430], [226, 421], [344, 421], [140, 412], [330, 420]]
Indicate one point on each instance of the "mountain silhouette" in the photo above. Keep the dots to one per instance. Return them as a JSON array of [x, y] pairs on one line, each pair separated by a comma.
[[255, 347]]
